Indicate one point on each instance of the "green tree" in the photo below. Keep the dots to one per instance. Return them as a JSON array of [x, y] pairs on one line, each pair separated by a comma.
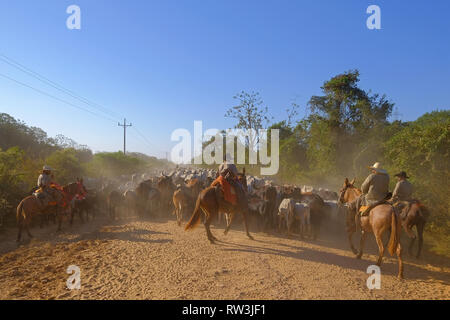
[[66, 164], [343, 122], [422, 149]]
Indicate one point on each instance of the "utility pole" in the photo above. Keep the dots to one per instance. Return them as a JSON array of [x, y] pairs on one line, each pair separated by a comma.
[[125, 125]]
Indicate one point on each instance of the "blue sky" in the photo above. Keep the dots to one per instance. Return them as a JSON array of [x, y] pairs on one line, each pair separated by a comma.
[[164, 64]]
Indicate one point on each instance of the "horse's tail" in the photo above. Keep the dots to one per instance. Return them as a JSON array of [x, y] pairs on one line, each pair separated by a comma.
[[394, 238], [423, 212], [20, 214], [195, 219]]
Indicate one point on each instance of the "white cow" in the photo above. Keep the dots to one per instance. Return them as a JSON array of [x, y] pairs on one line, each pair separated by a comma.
[[286, 212], [303, 215]]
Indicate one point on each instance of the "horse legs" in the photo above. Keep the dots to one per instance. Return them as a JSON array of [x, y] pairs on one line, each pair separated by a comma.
[[72, 213], [60, 217], [420, 227], [350, 241], [179, 212], [280, 219], [80, 212], [207, 224], [27, 227], [246, 225], [302, 227], [379, 240], [289, 227], [229, 219], [19, 234], [361, 244]]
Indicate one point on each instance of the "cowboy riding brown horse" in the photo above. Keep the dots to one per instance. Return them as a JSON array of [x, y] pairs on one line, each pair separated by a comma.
[[211, 201], [31, 206], [380, 219]]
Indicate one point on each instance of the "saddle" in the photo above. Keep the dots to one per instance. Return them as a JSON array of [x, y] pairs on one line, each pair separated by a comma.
[[43, 196], [364, 210], [403, 207]]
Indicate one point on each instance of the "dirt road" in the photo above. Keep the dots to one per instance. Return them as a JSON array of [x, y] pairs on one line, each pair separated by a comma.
[[133, 259]]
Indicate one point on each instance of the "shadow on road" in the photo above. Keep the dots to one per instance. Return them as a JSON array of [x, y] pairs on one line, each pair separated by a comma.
[[307, 254]]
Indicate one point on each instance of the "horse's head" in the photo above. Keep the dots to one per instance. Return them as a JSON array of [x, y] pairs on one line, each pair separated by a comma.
[[349, 192], [165, 182], [81, 188], [71, 189]]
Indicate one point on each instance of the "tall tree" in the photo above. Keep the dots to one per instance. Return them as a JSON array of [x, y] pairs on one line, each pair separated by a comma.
[[251, 115], [343, 122]]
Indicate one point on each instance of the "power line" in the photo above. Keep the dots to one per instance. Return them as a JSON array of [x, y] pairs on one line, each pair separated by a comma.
[[125, 125], [71, 93], [151, 145], [55, 85], [142, 136], [56, 98]]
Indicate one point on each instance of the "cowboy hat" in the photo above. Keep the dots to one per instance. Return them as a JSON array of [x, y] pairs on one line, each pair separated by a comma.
[[377, 168], [402, 174], [47, 168]]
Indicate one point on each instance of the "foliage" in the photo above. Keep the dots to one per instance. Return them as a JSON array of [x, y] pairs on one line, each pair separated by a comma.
[[107, 164], [422, 149], [250, 114]]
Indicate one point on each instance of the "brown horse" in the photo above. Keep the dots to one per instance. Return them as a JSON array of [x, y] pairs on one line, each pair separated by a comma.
[[416, 215], [380, 219], [114, 201], [184, 197], [166, 188], [31, 206], [181, 201], [148, 197], [211, 202]]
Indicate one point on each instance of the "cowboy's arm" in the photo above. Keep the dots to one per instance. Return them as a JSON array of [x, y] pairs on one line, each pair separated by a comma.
[[366, 184], [395, 192], [40, 182]]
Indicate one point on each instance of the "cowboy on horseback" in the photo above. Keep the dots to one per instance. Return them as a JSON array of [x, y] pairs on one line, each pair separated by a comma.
[[402, 194], [45, 192], [375, 189], [403, 189], [229, 172]]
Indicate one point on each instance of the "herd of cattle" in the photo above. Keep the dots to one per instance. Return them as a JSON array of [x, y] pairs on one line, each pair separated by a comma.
[[271, 206]]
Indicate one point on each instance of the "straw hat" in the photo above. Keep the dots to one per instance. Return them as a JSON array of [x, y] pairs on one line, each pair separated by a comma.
[[377, 168]]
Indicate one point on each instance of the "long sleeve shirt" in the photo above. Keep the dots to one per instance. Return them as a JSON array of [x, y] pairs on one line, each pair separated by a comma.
[[376, 186], [403, 191], [44, 180]]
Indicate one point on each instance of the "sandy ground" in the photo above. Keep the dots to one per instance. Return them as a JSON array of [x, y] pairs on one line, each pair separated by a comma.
[[132, 259]]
